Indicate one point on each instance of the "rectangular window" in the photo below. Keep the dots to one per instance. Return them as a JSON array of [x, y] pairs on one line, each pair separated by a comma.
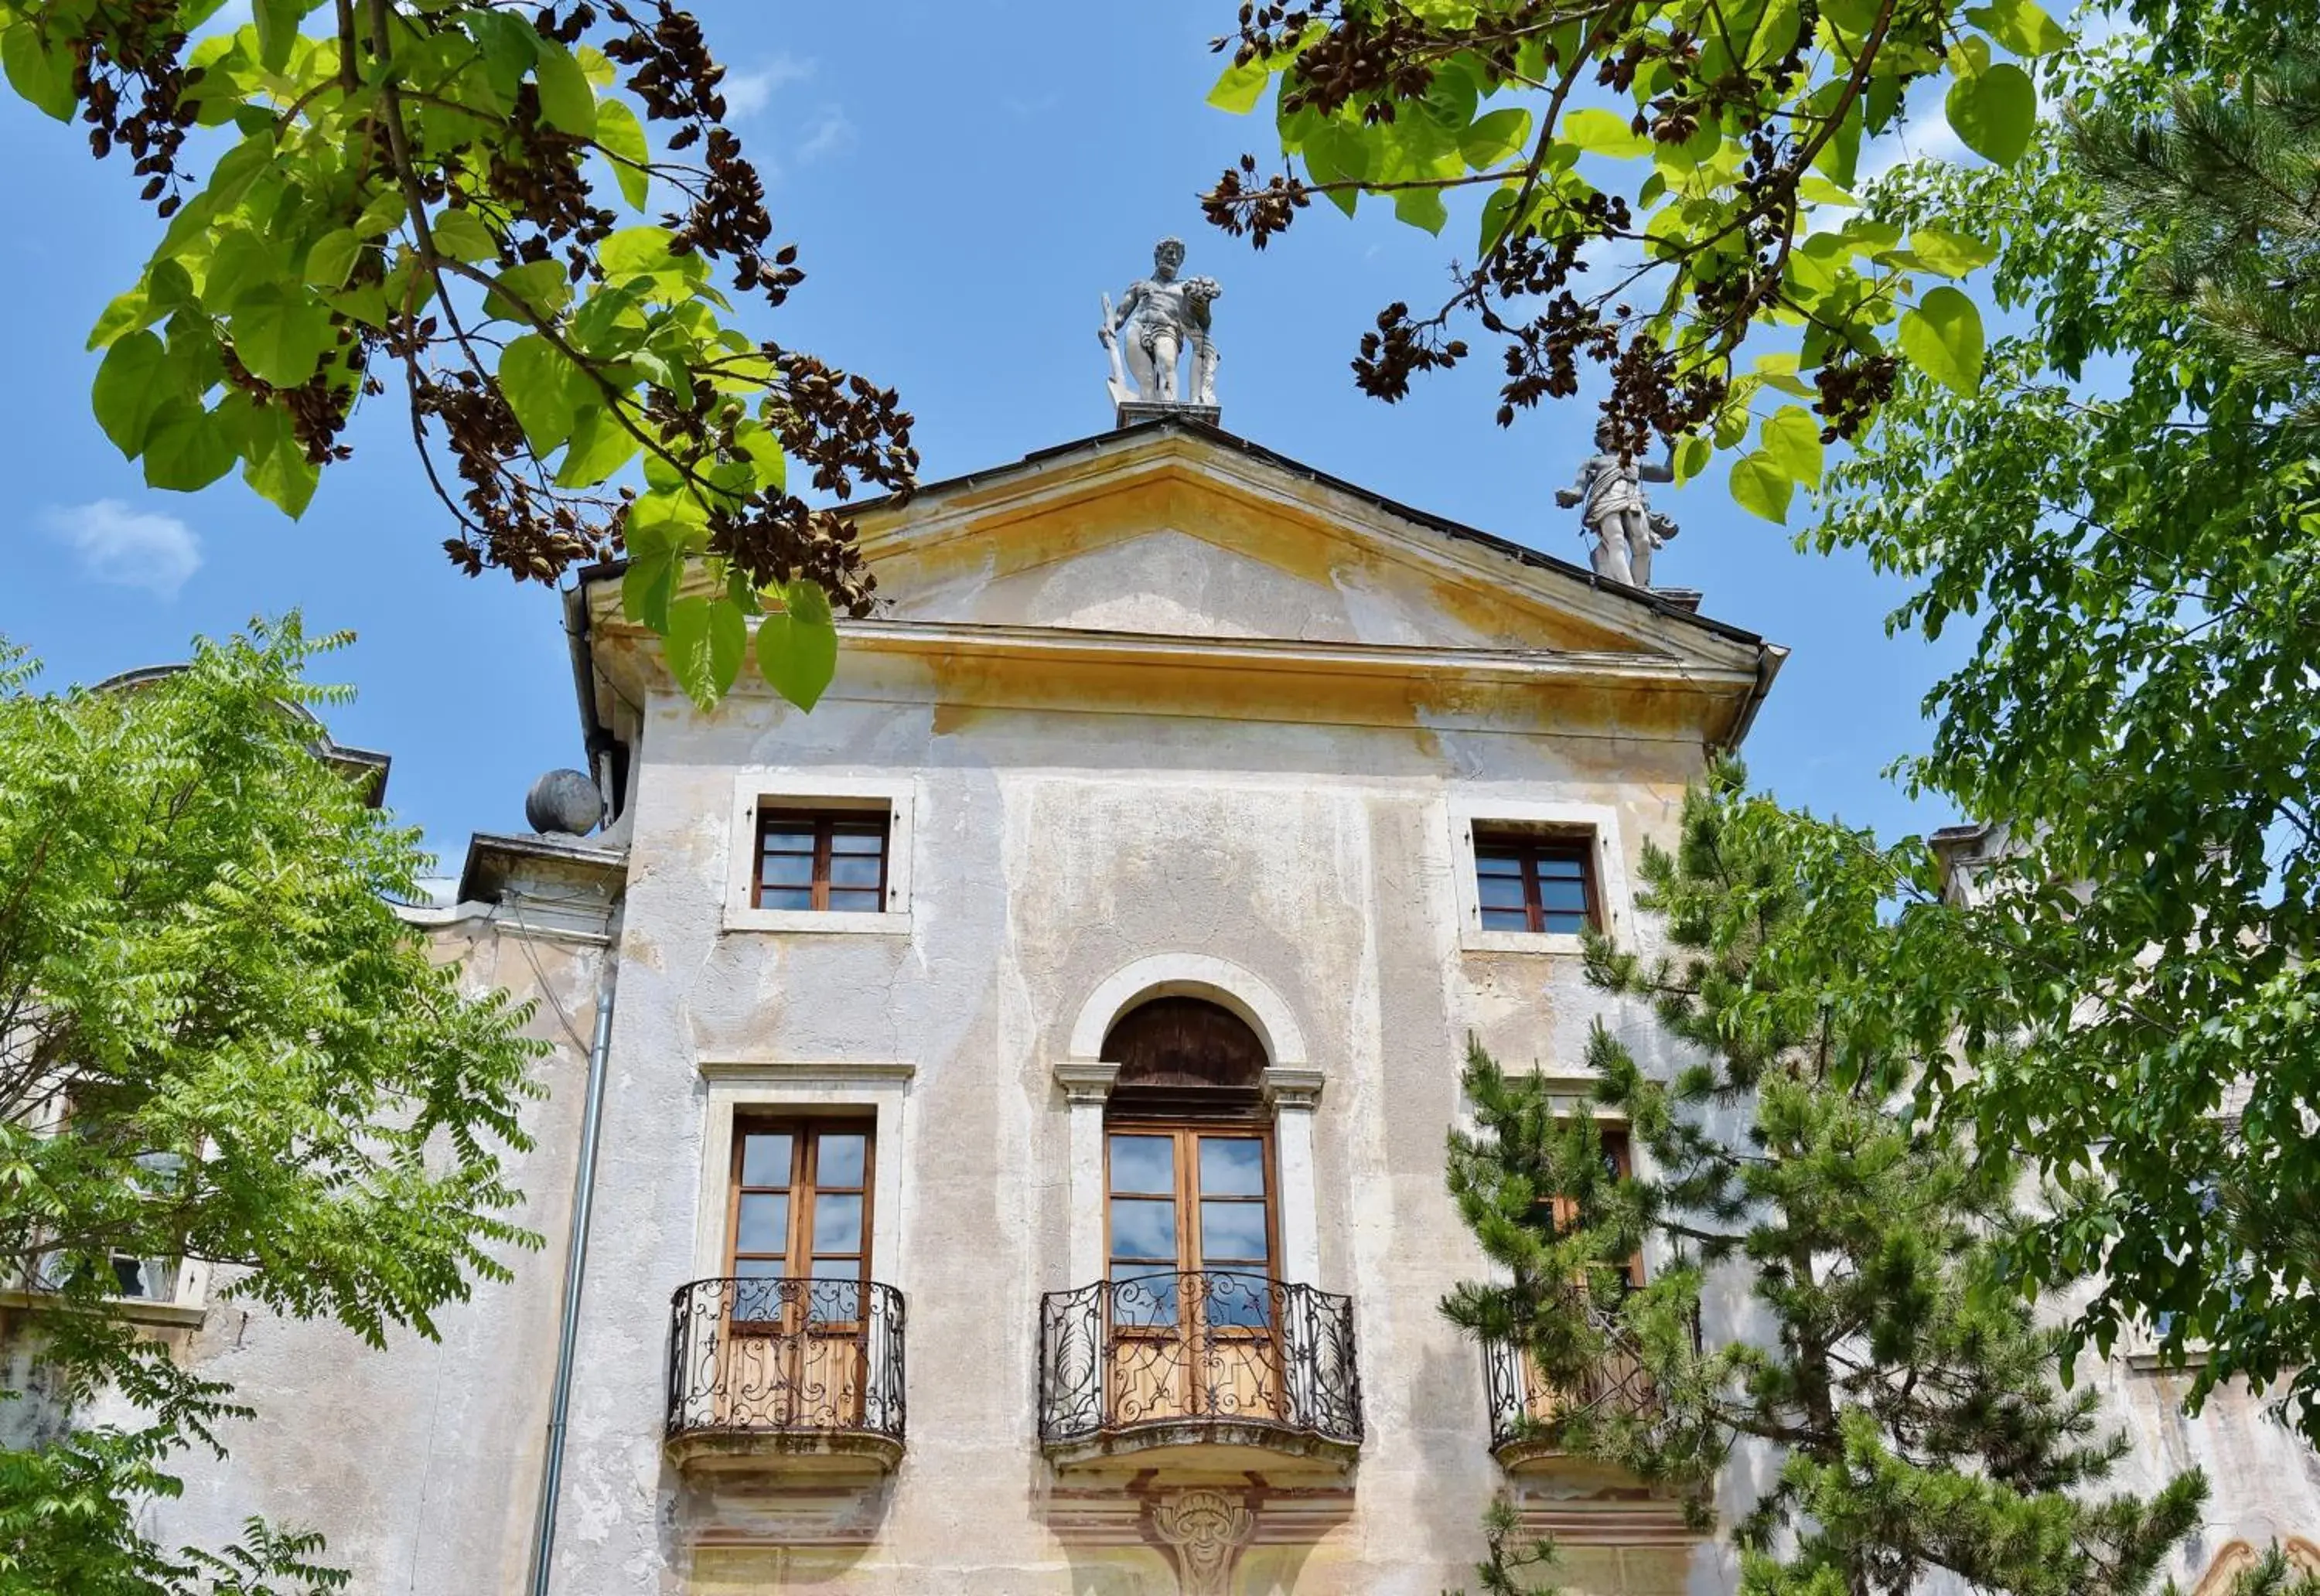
[[1185, 1200], [1528, 882], [1620, 1165], [126, 1275], [801, 1213], [822, 860]]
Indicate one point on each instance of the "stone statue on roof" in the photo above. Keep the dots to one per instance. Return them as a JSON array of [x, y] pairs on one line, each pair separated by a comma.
[[1165, 318], [1614, 510]]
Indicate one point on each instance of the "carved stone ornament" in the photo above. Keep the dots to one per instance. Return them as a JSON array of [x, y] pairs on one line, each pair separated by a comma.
[[1205, 1530], [1165, 318]]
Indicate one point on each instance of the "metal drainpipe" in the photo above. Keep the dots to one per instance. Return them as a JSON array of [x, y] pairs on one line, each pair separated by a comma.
[[575, 1265]]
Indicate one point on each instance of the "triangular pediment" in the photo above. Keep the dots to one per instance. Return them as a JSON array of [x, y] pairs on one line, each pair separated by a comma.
[[1172, 529]]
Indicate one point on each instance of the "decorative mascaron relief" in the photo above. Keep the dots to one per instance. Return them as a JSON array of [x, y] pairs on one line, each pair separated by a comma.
[[1204, 1531]]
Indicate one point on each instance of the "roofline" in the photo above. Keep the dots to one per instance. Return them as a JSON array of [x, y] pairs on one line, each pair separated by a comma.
[[368, 763], [606, 569]]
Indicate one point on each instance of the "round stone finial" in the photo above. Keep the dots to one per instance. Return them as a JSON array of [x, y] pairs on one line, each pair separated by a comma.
[[564, 800]]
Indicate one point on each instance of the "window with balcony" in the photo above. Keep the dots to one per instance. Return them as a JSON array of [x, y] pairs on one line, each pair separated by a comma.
[[1528, 1407], [1192, 1332], [795, 1339]]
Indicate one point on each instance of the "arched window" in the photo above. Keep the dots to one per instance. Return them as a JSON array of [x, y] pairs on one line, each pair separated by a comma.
[[1189, 1165], [1186, 1046]]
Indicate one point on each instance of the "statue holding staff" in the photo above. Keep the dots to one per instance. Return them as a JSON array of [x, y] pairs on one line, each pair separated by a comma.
[[1165, 316], [1616, 514]]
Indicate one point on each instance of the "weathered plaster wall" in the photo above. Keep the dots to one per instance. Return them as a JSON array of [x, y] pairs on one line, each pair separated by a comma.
[[420, 1463], [1054, 846]]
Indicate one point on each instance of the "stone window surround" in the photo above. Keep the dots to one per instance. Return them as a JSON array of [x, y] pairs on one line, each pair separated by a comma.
[[757, 789], [187, 1309], [800, 1089], [1467, 811], [1293, 1086]]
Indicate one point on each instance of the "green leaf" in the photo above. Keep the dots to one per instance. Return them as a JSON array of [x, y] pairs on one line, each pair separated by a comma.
[[133, 380], [41, 74], [332, 258], [243, 261], [278, 30], [635, 251], [1497, 212], [541, 387], [1421, 207], [510, 46], [1496, 139], [2021, 26], [1950, 254], [1838, 159], [276, 468], [1760, 486], [763, 445], [1241, 86], [187, 448], [1792, 439], [1602, 133], [280, 337], [460, 234], [706, 639], [383, 215], [539, 286], [128, 313], [623, 136], [1691, 456], [1775, 32], [567, 102], [600, 446], [797, 649], [648, 586], [1942, 336], [1995, 110], [1779, 370]]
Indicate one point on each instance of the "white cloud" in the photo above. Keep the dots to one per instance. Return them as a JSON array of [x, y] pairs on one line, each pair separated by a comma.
[[827, 134], [1928, 137], [748, 93], [128, 548]]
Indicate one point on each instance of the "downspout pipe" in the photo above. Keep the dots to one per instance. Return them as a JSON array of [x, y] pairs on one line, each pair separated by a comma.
[[575, 1266]]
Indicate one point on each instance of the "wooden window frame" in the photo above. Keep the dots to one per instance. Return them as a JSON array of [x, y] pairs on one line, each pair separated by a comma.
[[1187, 1194], [825, 823], [805, 1133], [1618, 1140], [1530, 846]]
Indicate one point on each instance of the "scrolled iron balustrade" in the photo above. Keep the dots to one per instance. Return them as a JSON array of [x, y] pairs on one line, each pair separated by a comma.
[[1220, 1347], [1529, 1408], [785, 1355]]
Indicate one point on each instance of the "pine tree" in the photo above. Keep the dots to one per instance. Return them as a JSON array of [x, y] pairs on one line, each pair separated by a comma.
[[2222, 196], [1883, 1353]]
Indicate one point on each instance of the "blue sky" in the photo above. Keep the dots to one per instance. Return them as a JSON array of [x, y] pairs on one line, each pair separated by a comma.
[[963, 181]]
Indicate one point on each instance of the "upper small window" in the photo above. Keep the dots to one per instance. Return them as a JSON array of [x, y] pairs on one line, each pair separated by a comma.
[[1535, 883], [827, 860]]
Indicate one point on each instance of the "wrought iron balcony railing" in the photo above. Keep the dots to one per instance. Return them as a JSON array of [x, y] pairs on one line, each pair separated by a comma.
[[776, 1356], [1218, 1346], [1529, 1408]]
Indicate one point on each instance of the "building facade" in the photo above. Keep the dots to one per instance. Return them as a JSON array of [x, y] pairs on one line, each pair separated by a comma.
[[1016, 1163]]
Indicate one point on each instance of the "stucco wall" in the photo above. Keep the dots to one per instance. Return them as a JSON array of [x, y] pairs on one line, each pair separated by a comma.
[[419, 1463]]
